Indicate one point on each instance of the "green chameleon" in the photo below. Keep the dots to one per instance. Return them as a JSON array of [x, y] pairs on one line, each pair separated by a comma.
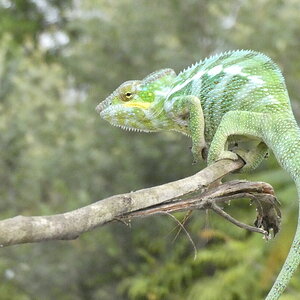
[[234, 97]]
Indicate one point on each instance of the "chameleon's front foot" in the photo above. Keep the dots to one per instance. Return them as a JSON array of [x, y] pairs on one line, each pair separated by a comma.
[[199, 153]]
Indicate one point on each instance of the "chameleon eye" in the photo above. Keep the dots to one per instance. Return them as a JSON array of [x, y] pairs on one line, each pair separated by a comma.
[[127, 96]]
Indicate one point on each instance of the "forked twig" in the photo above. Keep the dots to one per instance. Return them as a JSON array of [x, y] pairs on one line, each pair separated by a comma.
[[228, 217], [186, 232]]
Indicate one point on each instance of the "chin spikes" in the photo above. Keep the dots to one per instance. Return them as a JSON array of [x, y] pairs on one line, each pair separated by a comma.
[[131, 128]]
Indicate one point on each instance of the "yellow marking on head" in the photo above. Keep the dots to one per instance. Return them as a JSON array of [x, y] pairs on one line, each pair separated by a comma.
[[143, 105]]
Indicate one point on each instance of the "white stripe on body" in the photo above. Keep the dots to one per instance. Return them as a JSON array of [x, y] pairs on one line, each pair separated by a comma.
[[253, 84], [215, 70]]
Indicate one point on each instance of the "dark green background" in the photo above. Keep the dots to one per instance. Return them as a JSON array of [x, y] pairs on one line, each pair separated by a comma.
[[57, 154]]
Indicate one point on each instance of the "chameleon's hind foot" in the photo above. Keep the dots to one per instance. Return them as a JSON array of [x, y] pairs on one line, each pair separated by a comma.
[[228, 155], [253, 157], [225, 154]]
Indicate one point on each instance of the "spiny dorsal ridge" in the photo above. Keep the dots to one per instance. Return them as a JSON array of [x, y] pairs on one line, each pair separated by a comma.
[[213, 57], [158, 74]]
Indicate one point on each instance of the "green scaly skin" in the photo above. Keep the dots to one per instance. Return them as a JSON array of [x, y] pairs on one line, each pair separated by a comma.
[[237, 96]]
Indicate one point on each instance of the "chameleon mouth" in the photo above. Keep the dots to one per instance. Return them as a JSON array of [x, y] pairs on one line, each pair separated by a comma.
[[102, 105], [105, 103], [114, 114], [99, 107]]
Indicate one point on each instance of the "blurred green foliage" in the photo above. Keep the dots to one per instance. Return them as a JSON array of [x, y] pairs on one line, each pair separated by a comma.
[[57, 154]]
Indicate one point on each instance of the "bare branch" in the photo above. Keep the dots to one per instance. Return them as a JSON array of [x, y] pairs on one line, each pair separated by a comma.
[[159, 199]]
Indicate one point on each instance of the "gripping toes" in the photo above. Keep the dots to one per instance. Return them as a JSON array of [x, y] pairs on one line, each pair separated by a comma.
[[254, 157], [223, 155], [199, 153]]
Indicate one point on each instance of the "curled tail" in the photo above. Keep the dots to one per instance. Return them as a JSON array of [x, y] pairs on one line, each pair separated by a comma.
[[283, 136]]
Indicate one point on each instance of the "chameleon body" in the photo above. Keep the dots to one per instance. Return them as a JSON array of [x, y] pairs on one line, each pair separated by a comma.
[[237, 96]]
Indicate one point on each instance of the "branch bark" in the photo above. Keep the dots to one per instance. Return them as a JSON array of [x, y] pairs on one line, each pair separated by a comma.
[[159, 199]]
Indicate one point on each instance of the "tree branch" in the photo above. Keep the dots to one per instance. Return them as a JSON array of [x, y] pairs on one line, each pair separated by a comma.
[[159, 199]]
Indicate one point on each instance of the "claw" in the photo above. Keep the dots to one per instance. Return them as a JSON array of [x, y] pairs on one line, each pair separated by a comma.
[[204, 153], [239, 156], [199, 153]]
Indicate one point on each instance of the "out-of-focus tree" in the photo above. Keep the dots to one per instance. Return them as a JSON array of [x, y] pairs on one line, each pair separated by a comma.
[[27, 20], [56, 154]]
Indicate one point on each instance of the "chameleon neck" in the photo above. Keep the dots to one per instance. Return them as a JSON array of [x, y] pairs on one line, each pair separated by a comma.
[[284, 140]]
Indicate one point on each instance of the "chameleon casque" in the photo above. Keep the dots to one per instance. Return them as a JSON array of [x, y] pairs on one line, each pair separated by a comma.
[[236, 96]]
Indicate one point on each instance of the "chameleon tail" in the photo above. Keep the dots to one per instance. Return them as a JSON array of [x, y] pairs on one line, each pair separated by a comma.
[[284, 140], [291, 263]]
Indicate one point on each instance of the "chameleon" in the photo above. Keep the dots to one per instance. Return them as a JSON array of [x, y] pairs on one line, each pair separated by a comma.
[[233, 97]]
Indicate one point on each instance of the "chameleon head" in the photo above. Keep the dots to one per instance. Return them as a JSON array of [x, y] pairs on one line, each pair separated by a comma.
[[125, 108], [134, 105]]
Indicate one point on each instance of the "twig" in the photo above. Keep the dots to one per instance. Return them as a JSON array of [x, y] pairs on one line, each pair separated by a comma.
[[186, 232], [228, 217], [186, 217]]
